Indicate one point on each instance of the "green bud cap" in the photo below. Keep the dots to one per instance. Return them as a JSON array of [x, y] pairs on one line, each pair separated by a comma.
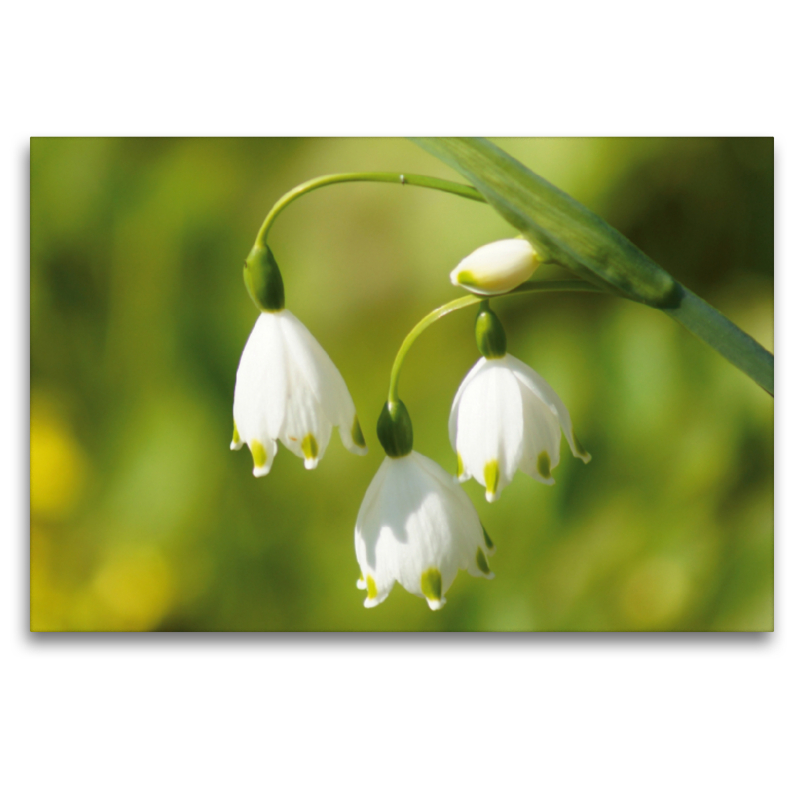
[[263, 279], [395, 432], [489, 333]]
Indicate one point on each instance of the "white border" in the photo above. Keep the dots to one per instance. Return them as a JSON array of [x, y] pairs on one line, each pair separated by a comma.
[[550, 716]]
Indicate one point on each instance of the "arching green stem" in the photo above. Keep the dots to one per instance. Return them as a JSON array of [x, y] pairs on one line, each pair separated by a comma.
[[367, 177], [471, 300]]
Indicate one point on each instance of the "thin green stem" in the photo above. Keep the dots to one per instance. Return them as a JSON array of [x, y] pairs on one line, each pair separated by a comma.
[[471, 300], [368, 177]]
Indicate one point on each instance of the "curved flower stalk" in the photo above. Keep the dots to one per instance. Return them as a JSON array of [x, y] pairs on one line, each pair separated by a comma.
[[287, 388], [505, 417], [416, 525]]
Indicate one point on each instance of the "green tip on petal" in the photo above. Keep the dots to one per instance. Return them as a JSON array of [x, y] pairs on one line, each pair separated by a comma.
[[467, 278], [489, 542], [372, 589], [491, 477], [357, 433], [543, 465], [310, 450], [480, 560], [582, 454], [236, 440], [459, 465], [259, 454], [431, 584]]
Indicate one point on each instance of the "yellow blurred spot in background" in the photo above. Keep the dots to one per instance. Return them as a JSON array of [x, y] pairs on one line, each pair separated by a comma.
[[48, 600], [58, 468], [655, 593], [136, 586]]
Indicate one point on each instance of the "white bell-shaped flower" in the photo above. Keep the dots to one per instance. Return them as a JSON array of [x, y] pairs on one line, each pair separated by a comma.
[[496, 268], [417, 526], [506, 417], [289, 390]]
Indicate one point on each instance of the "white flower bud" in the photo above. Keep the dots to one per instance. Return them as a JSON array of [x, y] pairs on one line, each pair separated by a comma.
[[496, 268]]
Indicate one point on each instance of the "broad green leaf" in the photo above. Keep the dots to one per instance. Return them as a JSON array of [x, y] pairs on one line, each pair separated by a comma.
[[564, 231]]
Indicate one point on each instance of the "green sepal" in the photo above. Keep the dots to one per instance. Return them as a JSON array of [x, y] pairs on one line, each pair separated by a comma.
[[263, 279], [489, 334], [395, 432]]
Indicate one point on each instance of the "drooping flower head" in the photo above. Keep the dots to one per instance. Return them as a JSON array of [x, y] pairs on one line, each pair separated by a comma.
[[507, 417], [287, 388], [496, 268], [416, 526]]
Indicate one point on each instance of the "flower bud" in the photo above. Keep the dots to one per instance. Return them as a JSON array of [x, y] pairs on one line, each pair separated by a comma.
[[263, 279], [395, 432], [496, 268]]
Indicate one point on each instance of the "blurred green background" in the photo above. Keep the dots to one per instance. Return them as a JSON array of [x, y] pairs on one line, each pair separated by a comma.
[[142, 519]]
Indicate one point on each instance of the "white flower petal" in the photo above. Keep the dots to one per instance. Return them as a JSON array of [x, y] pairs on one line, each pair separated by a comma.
[[324, 380], [489, 438], [542, 389], [541, 452], [371, 499], [259, 399], [306, 431], [263, 453], [452, 424]]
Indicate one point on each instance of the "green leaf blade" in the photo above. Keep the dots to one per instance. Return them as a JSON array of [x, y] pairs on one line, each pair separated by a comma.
[[563, 230]]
